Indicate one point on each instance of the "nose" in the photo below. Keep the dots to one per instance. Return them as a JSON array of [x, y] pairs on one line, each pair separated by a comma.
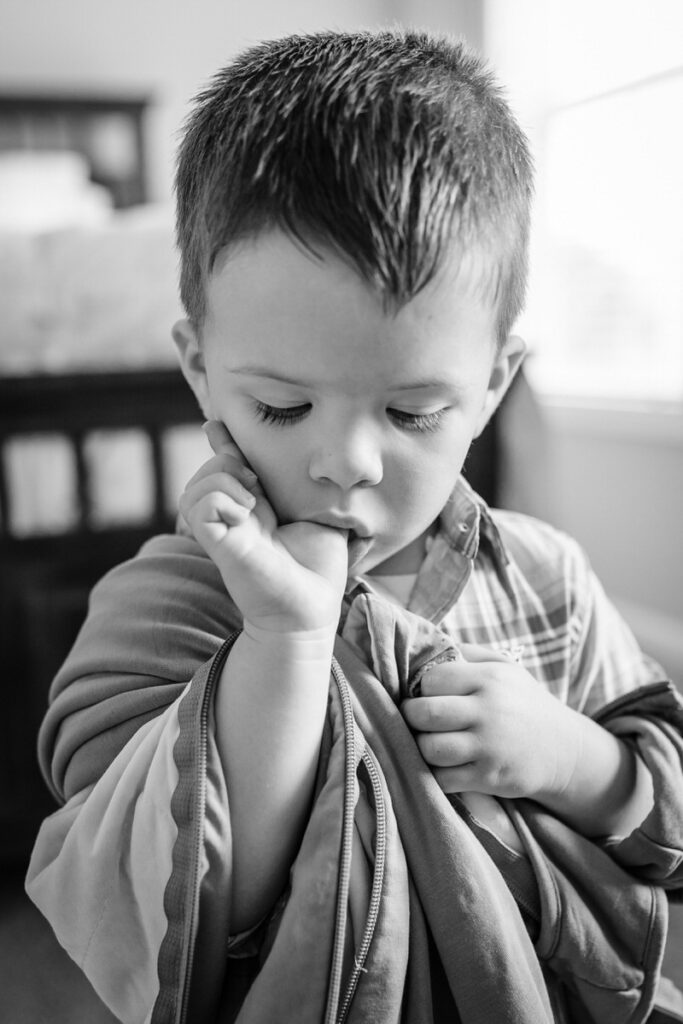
[[347, 455]]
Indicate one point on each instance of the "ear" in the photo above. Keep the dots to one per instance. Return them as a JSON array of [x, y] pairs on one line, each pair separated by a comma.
[[192, 363], [507, 362]]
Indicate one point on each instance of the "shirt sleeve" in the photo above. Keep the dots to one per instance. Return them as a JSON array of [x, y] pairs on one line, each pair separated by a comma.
[[628, 693], [606, 661], [650, 720], [152, 622], [134, 870]]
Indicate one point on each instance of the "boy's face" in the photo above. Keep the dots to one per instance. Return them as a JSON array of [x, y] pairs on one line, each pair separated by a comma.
[[351, 416]]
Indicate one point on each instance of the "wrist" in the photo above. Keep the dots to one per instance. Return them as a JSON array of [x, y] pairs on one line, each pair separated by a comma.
[[301, 644], [594, 789]]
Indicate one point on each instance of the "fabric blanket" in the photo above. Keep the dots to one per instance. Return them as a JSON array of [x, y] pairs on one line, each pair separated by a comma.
[[134, 871]]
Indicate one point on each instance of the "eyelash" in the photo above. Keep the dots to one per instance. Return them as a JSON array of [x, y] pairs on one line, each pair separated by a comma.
[[281, 417], [424, 423]]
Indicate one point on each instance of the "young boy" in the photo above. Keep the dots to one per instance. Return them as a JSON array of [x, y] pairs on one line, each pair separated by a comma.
[[340, 749]]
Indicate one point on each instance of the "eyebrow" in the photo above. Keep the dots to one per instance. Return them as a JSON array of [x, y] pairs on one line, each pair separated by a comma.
[[262, 371], [420, 383]]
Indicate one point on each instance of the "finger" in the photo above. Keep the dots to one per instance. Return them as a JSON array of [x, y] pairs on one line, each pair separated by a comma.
[[450, 678], [462, 778], [223, 483], [439, 714], [447, 749], [480, 652], [213, 509], [219, 437], [223, 443], [462, 678], [225, 462]]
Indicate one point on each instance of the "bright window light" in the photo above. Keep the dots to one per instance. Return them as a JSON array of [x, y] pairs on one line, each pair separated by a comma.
[[598, 86], [606, 308]]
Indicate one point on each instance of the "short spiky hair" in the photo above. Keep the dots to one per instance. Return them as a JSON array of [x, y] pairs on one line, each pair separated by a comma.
[[386, 146]]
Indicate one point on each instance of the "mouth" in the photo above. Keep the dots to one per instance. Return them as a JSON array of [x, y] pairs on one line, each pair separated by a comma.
[[357, 539], [339, 521]]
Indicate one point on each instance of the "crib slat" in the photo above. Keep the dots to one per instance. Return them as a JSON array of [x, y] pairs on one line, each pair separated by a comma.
[[4, 496], [83, 497], [159, 472]]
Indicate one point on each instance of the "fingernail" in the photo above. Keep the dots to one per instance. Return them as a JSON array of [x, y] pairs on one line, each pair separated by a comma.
[[515, 653]]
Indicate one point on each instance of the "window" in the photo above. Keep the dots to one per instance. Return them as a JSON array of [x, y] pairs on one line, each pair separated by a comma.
[[601, 93]]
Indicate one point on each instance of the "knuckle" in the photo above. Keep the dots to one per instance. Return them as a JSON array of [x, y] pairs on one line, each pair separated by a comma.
[[496, 777], [499, 672], [417, 713], [425, 714], [442, 712], [429, 713], [435, 678], [434, 749], [490, 776]]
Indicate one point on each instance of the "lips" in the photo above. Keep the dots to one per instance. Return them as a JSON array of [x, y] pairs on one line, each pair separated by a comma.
[[353, 526], [358, 539]]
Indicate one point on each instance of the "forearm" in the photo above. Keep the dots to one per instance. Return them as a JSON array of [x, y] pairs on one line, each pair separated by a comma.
[[270, 711], [601, 787]]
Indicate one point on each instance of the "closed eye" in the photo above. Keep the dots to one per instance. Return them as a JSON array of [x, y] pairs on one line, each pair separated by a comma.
[[282, 415], [423, 422]]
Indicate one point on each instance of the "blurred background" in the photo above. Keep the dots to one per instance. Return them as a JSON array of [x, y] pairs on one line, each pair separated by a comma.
[[98, 434]]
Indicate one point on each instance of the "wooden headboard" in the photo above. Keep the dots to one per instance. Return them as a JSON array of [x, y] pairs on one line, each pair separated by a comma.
[[45, 578], [107, 130]]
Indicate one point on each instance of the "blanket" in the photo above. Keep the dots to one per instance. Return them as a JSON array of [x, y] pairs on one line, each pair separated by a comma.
[[133, 872]]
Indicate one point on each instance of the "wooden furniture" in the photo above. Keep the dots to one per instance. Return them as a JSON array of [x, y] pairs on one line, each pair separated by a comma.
[[107, 130], [45, 579]]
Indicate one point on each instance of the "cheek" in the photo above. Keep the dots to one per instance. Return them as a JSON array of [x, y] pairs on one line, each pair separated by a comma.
[[421, 485], [252, 440], [278, 465]]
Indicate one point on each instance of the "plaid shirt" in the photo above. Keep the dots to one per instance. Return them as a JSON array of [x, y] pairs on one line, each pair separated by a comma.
[[505, 580]]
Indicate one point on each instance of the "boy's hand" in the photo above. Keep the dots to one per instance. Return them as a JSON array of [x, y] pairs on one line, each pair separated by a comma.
[[282, 578], [485, 725]]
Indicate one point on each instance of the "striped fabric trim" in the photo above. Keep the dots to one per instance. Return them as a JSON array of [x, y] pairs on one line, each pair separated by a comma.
[[181, 898]]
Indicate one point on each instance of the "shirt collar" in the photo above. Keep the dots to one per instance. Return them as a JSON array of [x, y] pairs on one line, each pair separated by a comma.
[[466, 530], [466, 520], [465, 526]]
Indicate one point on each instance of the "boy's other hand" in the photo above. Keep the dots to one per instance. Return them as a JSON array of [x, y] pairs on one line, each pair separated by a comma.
[[283, 578], [485, 725]]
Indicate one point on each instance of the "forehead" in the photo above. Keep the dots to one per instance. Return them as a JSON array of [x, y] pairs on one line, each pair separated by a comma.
[[270, 297]]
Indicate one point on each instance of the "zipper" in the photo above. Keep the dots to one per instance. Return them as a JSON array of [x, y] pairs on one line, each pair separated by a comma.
[[199, 826], [334, 987], [334, 1014], [377, 882]]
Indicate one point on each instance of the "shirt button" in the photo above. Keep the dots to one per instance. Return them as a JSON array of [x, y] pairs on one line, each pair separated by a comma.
[[463, 527]]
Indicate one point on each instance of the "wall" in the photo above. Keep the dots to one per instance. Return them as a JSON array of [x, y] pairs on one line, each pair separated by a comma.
[[167, 48], [619, 491], [456, 17], [618, 473]]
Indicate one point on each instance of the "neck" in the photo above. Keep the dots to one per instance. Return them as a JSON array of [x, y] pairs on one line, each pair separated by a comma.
[[407, 560]]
